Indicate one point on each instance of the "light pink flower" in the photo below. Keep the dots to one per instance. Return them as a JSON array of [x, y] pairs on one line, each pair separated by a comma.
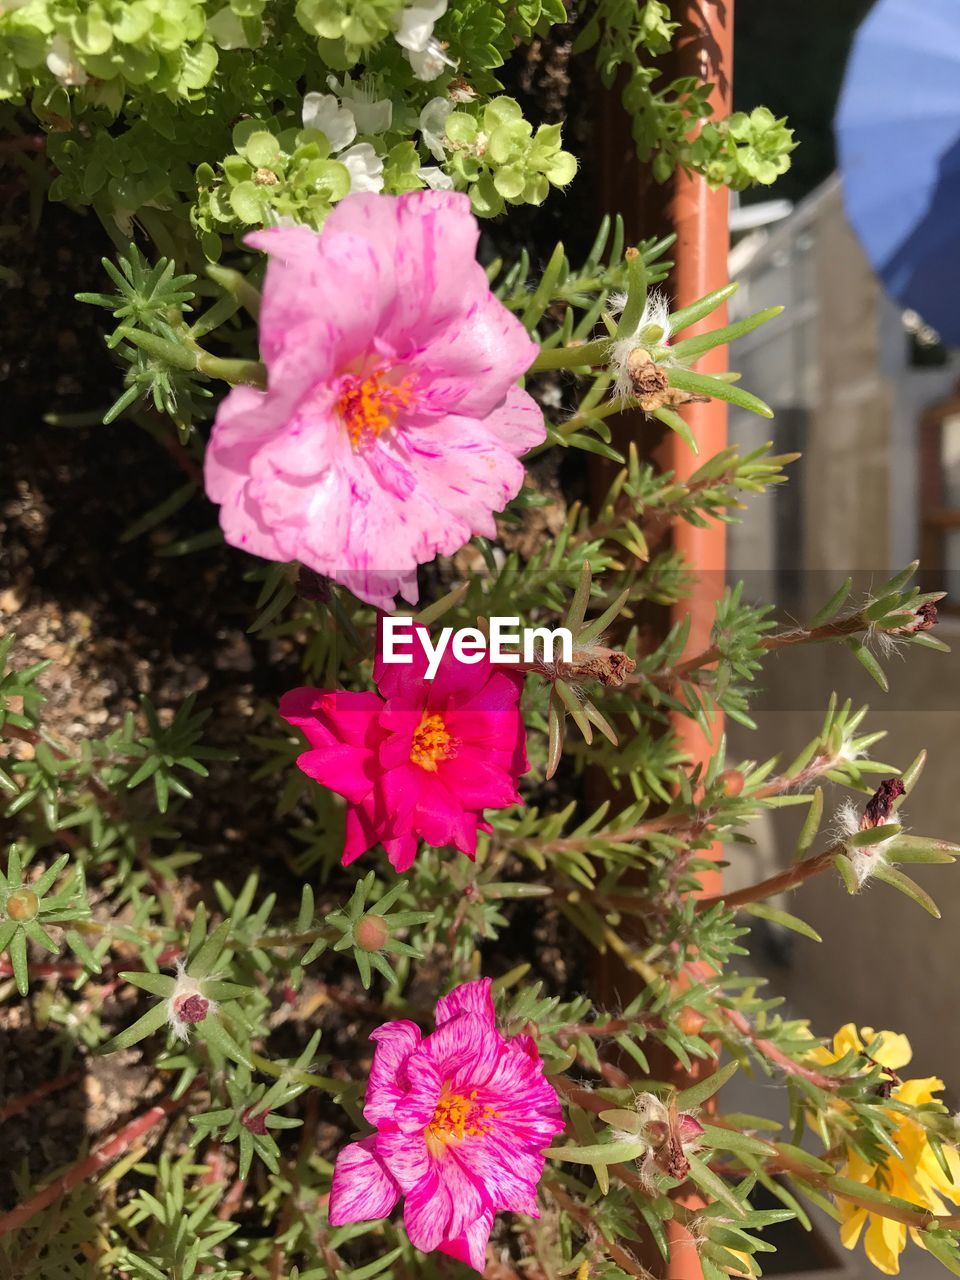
[[462, 1118], [392, 426], [423, 758]]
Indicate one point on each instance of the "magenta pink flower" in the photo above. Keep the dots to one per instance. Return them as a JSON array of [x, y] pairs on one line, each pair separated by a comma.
[[392, 426], [462, 1119], [423, 758]]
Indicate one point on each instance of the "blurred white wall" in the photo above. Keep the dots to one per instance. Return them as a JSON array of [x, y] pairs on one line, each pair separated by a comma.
[[836, 369]]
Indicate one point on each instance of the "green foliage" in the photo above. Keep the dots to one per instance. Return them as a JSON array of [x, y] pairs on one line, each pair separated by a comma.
[[150, 108], [499, 159], [743, 150], [738, 152], [26, 907], [601, 871]]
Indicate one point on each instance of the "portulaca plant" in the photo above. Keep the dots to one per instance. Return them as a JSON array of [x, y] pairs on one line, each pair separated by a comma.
[[408, 1066]]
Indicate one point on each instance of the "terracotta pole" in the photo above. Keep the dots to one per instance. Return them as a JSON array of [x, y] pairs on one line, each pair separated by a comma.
[[699, 217], [701, 220]]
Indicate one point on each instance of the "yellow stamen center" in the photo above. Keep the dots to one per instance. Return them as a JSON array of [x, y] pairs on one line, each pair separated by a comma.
[[370, 405], [459, 1116], [431, 742]]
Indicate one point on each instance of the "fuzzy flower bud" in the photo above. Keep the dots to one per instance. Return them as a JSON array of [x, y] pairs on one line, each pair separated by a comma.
[[596, 662], [880, 805], [632, 355], [670, 1135], [187, 1005], [640, 359], [925, 619], [878, 811]]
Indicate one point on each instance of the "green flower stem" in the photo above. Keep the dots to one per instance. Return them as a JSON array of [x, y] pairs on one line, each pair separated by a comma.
[[606, 410], [699, 310], [584, 1216], [188, 356], [572, 425], [179, 355], [281, 1072], [100, 790], [238, 285], [298, 939], [693, 348], [897, 1210], [636, 294], [783, 640], [247, 373], [702, 384], [781, 883], [586, 356]]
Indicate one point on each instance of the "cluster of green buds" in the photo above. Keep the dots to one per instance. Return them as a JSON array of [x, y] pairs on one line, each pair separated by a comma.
[[346, 28], [743, 149], [107, 47], [273, 174], [499, 158]]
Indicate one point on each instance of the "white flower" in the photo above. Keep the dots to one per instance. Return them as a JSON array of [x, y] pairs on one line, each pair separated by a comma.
[[364, 166], [373, 114], [435, 177], [415, 35], [429, 63], [652, 331], [323, 111], [62, 62], [187, 1005], [433, 119], [416, 25], [338, 122]]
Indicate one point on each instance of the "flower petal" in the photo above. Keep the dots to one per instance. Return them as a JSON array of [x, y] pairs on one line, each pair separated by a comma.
[[396, 1041], [362, 1189], [364, 166], [324, 112], [427, 1214], [470, 997], [402, 851], [471, 1246], [416, 24], [391, 280], [406, 1157], [884, 1241]]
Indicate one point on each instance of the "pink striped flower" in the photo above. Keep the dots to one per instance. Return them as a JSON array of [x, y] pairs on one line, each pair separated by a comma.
[[392, 426], [421, 758], [462, 1119]]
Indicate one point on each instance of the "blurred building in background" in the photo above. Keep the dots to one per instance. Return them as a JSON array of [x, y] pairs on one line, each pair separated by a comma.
[[869, 397]]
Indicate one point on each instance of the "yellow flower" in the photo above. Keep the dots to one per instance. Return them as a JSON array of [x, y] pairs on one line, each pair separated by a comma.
[[748, 1270], [915, 1176]]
